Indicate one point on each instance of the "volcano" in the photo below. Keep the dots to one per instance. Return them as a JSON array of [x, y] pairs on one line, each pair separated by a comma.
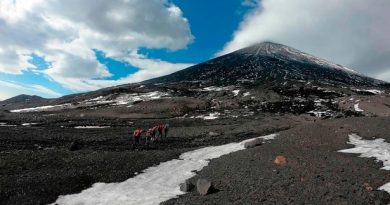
[[269, 62]]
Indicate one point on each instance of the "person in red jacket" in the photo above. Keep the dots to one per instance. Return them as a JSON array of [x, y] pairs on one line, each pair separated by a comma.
[[162, 130], [137, 135]]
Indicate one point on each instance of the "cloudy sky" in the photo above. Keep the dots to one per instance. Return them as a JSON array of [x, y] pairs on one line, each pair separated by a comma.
[[53, 48]]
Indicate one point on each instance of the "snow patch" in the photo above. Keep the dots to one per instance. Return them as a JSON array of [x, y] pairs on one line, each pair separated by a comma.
[[156, 184], [3, 124], [320, 113], [246, 94], [236, 92], [43, 108], [123, 99], [357, 109], [373, 91], [214, 88], [211, 116], [91, 127], [29, 124], [131, 98], [378, 148]]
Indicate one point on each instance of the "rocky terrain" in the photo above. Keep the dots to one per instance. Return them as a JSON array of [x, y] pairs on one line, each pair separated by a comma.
[[53, 147]]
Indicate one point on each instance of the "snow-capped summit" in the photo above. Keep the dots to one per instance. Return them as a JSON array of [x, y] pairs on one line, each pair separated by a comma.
[[287, 53], [269, 63]]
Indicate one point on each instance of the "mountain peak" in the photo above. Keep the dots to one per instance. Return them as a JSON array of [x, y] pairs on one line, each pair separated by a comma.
[[283, 52], [24, 98], [268, 62]]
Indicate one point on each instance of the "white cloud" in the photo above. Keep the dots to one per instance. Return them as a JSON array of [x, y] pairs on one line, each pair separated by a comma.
[[65, 32], [10, 89], [355, 33], [148, 69]]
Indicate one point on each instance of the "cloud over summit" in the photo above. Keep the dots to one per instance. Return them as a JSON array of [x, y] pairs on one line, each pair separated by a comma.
[[355, 33]]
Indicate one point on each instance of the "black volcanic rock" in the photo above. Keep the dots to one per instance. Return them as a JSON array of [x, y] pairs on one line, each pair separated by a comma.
[[268, 63]]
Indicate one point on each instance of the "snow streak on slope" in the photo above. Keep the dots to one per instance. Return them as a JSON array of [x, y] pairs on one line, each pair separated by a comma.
[[43, 108], [155, 184], [123, 99], [378, 148]]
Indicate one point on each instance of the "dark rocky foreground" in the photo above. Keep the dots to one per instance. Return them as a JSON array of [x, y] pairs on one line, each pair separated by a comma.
[[37, 164], [315, 173]]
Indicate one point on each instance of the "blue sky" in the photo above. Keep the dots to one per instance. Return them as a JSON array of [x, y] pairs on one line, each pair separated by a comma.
[[211, 26], [54, 48]]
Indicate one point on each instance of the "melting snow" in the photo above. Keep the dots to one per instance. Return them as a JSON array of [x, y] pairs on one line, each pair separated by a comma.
[[211, 116], [357, 109], [320, 113], [91, 127], [378, 148], [246, 94], [43, 108], [131, 98], [373, 91], [3, 124], [29, 124], [236, 92], [156, 184], [214, 88], [123, 99]]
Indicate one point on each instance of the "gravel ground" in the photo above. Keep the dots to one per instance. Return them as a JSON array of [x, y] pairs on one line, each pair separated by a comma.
[[36, 165], [314, 174]]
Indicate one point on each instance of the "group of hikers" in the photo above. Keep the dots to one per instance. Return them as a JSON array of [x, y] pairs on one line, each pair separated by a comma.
[[156, 133]]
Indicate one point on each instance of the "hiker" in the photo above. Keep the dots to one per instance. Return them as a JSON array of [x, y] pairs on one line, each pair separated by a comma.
[[163, 130], [137, 135], [150, 136], [166, 128]]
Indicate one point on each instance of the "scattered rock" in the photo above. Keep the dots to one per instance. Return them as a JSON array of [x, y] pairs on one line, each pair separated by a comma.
[[280, 160], [253, 143], [203, 186], [39, 147], [186, 186], [213, 134], [74, 146], [368, 187]]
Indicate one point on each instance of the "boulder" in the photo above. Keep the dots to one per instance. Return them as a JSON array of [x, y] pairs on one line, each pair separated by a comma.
[[186, 186], [280, 160], [74, 146], [253, 143], [204, 187]]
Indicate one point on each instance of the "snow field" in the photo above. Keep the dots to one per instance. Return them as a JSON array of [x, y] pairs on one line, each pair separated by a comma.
[[156, 184]]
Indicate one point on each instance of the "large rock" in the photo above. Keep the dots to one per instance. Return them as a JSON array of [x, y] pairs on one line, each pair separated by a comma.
[[204, 187], [186, 186], [253, 143], [280, 160], [74, 146]]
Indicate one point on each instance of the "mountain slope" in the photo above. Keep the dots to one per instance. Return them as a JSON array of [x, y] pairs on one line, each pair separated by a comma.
[[268, 63], [23, 99]]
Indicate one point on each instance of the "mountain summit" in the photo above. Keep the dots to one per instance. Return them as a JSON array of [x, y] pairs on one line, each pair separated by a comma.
[[269, 63]]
